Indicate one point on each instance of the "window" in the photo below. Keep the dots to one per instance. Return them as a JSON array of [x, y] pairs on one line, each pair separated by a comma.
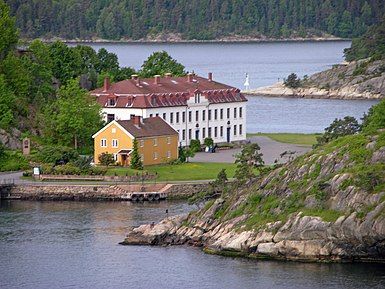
[[235, 129], [189, 116], [141, 143], [177, 117], [155, 141], [142, 157], [228, 113], [209, 114], [197, 98], [240, 112], [113, 130], [204, 133], [157, 114], [209, 131], [111, 102], [221, 131], [164, 116], [189, 133], [103, 143], [235, 112], [171, 117], [115, 157], [183, 134], [216, 114], [221, 114], [114, 143], [240, 129], [110, 117], [150, 114], [204, 115], [197, 115], [184, 117], [168, 140], [215, 132], [168, 155], [155, 155]]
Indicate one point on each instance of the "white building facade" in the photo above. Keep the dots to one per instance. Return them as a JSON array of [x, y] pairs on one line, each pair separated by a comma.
[[218, 112]]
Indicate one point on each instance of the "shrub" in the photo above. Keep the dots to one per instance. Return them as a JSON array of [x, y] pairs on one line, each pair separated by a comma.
[[57, 154], [375, 119], [97, 171], [195, 145], [292, 81], [208, 142], [106, 159], [67, 169]]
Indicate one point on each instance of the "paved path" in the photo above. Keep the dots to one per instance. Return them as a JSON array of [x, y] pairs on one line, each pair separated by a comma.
[[270, 149]]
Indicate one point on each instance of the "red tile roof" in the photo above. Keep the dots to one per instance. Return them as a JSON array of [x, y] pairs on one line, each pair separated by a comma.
[[153, 126], [171, 91]]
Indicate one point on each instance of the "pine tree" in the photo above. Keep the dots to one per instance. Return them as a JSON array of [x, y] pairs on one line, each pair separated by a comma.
[[136, 162]]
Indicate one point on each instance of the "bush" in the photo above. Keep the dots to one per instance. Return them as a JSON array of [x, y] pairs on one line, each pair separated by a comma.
[[195, 145], [208, 142], [106, 159], [375, 119], [97, 171], [67, 169], [292, 81], [57, 154]]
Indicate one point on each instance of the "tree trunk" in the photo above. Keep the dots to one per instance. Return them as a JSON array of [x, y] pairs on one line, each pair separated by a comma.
[[76, 142]]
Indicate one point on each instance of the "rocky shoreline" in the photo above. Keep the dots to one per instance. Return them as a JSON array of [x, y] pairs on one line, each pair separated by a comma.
[[311, 209], [364, 79]]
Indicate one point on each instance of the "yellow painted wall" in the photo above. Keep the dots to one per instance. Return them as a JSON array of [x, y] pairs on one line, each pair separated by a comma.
[[124, 141], [161, 149], [147, 150]]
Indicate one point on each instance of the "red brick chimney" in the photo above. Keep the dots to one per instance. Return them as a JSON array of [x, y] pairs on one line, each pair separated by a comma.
[[157, 79], [106, 86], [137, 119], [136, 78], [190, 77], [210, 76], [168, 75]]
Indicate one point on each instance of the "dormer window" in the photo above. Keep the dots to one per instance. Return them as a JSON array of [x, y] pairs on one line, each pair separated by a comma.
[[111, 102], [197, 98]]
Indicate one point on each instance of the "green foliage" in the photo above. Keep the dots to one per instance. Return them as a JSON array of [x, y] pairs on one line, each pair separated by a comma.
[[292, 81], [208, 142], [371, 44], [375, 119], [106, 159], [195, 20], [160, 63], [7, 103], [56, 154], [195, 145], [338, 128], [12, 161], [8, 31], [136, 162], [73, 117], [248, 159]]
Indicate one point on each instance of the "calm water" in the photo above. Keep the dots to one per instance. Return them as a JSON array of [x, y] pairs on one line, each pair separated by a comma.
[[74, 245], [265, 63]]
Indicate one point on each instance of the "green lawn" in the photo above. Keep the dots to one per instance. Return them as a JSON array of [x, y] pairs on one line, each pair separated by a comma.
[[181, 172], [291, 138]]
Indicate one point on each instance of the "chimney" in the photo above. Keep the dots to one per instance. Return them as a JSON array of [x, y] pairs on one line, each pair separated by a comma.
[[137, 120], [210, 76], [190, 77], [168, 75], [134, 76], [106, 86], [157, 79]]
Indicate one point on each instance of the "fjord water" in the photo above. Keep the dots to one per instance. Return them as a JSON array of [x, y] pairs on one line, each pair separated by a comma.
[[266, 63], [75, 245]]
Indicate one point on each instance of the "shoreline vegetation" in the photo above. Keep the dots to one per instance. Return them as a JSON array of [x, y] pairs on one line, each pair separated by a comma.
[[187, 41]]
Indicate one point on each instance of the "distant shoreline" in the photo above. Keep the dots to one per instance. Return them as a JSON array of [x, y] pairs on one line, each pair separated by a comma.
[[179, 41]]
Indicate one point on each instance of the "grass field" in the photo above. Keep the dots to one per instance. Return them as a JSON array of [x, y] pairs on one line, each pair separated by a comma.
[[291, 138], [181, 172]]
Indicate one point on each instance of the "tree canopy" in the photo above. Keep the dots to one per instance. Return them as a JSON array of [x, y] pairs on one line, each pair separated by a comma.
[[160, 63], [197, 19]]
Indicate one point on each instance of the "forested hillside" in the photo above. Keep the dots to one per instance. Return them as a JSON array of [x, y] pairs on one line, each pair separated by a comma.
[[195, 19]]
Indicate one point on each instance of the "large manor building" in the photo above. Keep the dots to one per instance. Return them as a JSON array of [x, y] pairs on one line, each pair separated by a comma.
[[196, 107]]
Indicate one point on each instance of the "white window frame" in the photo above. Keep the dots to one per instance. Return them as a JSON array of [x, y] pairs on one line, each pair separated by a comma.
[[168, 154], [168, 140], [155, 142], [115, 143], [113, 130], [155, 155], [141, 143], [103, 143]]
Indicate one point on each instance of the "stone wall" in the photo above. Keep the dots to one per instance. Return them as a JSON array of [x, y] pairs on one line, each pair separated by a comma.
[[184, 191]]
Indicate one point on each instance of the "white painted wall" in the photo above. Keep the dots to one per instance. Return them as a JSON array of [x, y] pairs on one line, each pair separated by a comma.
[[186, 126]]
